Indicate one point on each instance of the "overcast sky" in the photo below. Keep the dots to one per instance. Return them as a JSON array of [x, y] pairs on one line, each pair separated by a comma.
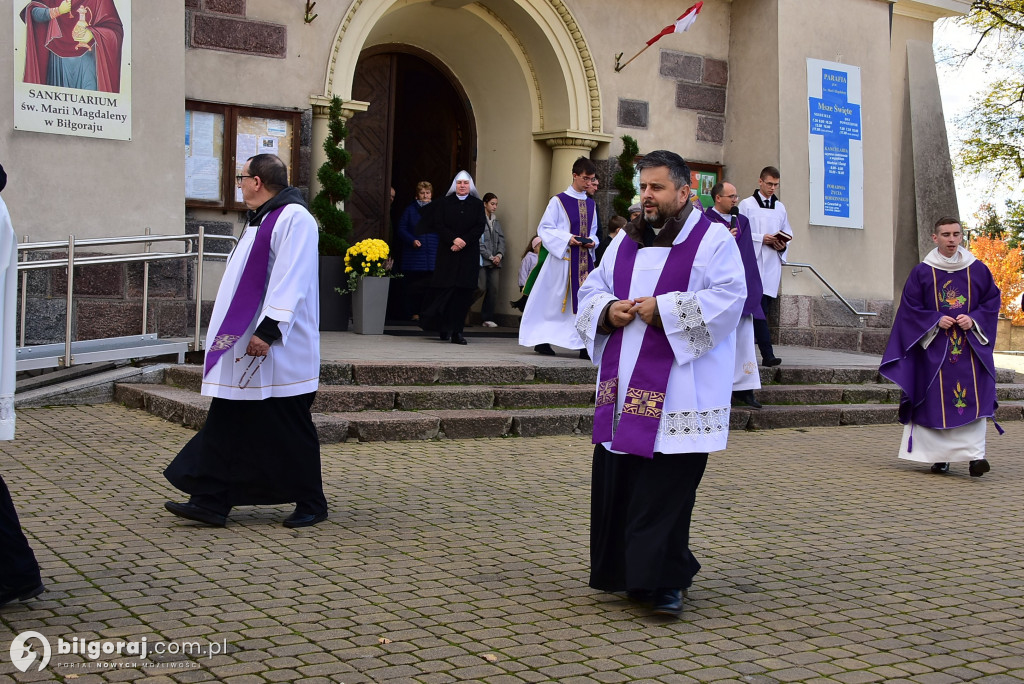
[[958, 84]]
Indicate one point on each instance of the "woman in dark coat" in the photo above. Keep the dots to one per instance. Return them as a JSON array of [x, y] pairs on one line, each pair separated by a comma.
[[458, 220]]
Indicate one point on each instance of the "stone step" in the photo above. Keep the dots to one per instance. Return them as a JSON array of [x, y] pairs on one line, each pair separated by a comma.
[[415, 373], [190, 409], [392, 374], [856, 394]]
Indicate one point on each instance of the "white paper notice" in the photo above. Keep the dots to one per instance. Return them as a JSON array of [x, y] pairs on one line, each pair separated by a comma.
[[246, 146], [268, 145], [202, 178], [277, 127], [202, 134]]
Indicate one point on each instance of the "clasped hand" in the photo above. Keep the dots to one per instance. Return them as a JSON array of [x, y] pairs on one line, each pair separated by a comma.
[[963, 320], [622, 312]]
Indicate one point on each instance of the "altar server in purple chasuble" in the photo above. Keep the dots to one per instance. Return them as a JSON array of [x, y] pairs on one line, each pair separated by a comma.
[[746, 377], [19, 571], [940, 354], [262, 367], [568, 230], [771, 234], [659, 318]]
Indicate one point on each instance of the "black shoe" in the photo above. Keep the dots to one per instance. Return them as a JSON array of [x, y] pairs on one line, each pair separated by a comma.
[[940, 468], [746, 397], [645, 596], [771, 362], [443, 335], [668, 602], [979, 467], [20, 593], [544, 349], [457, 338], [584, 355], [297, 519], [190, 511], [519, 303]]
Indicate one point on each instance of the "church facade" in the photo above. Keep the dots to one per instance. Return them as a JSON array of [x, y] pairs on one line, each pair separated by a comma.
[[514, 91]]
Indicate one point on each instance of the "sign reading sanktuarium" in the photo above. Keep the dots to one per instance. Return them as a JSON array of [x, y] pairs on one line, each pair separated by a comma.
[[72, 67]]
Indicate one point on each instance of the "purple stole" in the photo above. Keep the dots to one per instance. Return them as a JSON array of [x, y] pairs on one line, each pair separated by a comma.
[[581, 262], [638, 425], [248, 295]]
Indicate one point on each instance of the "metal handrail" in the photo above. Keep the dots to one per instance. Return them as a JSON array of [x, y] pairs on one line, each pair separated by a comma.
[[146, 257], [829, 286]]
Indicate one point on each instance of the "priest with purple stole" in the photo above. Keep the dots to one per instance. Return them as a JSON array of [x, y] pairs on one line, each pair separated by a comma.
[[659, 318], [262, 366], [746, 378], [568, 231], [940, 354]]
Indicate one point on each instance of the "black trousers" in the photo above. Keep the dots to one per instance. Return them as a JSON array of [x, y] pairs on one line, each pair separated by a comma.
[[762, 334], [18, 566], [640, 513]]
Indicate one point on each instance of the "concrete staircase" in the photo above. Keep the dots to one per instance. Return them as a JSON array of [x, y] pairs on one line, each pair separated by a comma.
[[378, 401]]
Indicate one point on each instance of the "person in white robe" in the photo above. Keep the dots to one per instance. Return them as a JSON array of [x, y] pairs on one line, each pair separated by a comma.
[[20, 579], [259, 444], [550, 308], [771, 233], [746, 377], [642, 502]]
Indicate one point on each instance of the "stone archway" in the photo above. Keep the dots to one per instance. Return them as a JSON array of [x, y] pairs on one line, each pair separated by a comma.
[[529, 83]]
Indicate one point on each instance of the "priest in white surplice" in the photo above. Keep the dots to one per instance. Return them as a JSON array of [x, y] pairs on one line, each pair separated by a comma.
[[19, 572], [568, 231], [659, 317], [771, 233], [262, 367]]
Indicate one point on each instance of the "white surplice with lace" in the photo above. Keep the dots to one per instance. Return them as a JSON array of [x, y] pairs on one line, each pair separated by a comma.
[[700, 324]]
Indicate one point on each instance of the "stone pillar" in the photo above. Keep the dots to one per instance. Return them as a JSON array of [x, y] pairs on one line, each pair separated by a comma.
[[321, 107], [566, 147]]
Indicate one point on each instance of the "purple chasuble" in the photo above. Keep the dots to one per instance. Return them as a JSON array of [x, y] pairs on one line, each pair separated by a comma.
[[752, 305], [952, 382], [581, 262], [245, 302], [637, 431]]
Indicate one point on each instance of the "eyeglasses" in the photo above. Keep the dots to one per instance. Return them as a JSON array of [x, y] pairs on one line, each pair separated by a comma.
[[238, 179], [771, 185]]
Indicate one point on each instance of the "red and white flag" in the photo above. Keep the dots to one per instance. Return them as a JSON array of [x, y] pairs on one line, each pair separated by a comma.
[[683, 23]]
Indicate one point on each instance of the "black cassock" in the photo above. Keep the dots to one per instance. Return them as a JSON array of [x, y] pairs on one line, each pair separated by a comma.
[[252, 453], [455, 273], [640, 512]]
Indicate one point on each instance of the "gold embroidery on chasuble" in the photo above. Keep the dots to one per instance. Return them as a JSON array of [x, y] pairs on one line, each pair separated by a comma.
[[607, 391], [224, 341], [643, 403], [581, 265]]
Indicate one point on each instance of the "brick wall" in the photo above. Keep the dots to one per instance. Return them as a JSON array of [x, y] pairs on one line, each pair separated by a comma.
[[221, 25]]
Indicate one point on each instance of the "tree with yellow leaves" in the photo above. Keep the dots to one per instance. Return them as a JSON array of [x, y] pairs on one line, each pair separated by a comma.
[[1005, 263]]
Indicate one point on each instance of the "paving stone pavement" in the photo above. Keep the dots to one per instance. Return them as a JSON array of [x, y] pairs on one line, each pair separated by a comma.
[[824, 559]]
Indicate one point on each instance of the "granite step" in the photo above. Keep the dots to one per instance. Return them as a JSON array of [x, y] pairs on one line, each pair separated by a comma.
[[190, 408]]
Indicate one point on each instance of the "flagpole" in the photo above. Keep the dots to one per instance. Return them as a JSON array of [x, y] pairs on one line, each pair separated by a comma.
[[619, 67]]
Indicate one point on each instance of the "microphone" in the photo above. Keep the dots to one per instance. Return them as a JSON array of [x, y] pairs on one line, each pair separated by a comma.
[[734, 212]]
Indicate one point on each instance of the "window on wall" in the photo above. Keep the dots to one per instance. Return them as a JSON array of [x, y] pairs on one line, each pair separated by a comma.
[[220, 138]]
